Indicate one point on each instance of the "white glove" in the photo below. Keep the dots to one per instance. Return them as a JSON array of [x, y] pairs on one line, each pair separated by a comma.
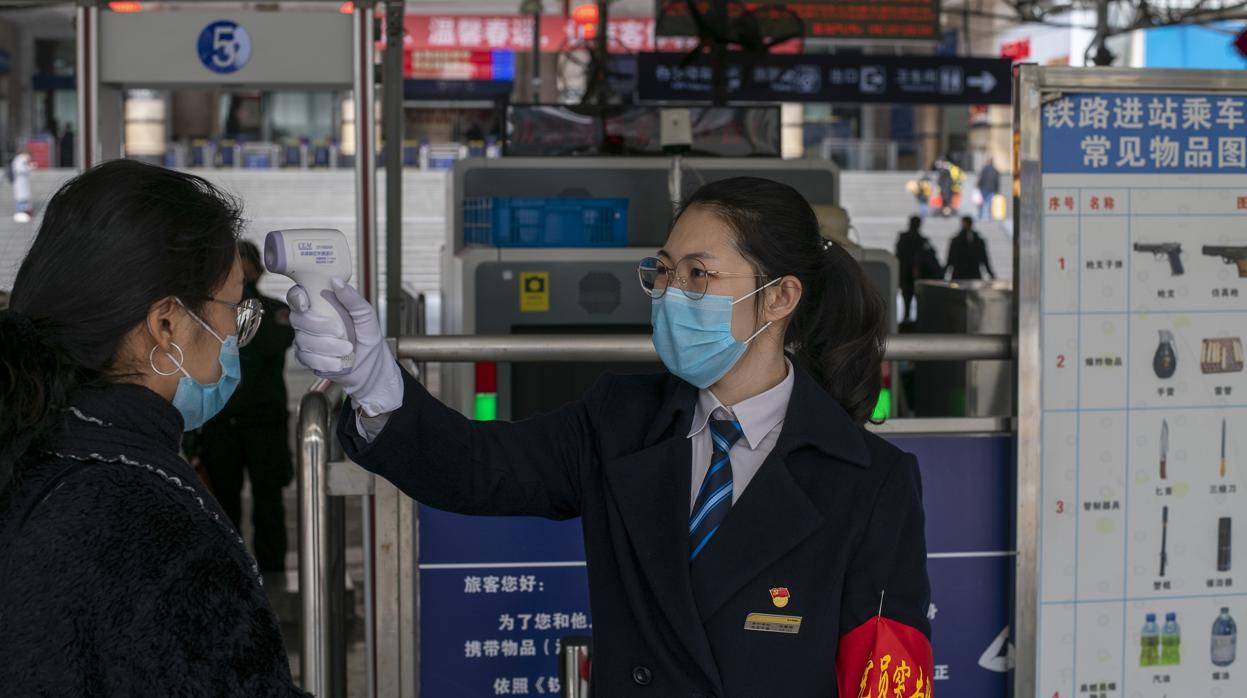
[[375, 382]]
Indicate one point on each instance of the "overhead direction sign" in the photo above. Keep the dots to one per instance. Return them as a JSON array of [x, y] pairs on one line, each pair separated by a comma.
[[829, 78]]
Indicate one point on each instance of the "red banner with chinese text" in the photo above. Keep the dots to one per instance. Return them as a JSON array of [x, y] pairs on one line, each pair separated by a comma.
[[515, 32]]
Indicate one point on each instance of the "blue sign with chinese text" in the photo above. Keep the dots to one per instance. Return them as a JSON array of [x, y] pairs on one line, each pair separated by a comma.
[[1120, 133], [828, 78]]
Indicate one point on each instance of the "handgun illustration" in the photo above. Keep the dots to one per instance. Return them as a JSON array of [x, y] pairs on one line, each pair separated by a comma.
[[1230, 255], [1172, 250]]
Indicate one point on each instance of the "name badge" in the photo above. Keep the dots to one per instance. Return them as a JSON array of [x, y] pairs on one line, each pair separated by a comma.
[[773, 623]]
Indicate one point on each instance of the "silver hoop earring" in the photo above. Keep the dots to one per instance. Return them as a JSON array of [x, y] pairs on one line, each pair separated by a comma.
[[177, 363]]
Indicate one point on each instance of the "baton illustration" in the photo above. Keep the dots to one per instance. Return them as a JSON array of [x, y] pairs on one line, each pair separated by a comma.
[[1164, 539]]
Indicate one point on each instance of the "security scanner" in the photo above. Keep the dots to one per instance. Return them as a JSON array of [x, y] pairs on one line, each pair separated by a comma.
[[567, 289]]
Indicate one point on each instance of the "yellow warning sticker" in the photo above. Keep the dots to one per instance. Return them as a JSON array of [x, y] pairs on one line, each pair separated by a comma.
[[535, 292]]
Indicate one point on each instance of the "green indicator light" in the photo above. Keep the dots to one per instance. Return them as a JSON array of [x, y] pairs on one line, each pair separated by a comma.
[[883, 408], [486, 407]]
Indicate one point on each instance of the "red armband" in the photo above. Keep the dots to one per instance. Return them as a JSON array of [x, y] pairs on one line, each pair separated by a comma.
[[883, 658]]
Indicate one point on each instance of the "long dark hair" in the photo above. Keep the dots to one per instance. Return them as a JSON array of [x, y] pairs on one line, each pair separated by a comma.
[[838, 330], [114, 240]]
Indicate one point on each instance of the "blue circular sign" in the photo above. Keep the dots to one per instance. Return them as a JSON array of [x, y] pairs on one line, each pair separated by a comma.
[[224, 46]]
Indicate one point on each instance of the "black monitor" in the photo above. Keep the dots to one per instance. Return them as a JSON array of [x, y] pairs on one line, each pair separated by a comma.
[[537, 388]]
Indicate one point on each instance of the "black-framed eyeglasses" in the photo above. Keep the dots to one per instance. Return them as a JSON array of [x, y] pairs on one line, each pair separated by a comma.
[[690, 275], [247, 316]]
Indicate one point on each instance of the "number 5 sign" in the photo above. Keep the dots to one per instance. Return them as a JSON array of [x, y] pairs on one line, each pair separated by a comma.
[[224, 46]]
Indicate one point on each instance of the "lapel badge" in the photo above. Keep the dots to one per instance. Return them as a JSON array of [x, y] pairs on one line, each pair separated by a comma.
[[779, 597]]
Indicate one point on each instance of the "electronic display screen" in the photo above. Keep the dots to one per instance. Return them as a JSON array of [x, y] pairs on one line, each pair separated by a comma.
[[889, 20]]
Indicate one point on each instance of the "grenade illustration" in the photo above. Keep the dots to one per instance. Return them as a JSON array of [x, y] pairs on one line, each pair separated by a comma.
[[1165, 362]]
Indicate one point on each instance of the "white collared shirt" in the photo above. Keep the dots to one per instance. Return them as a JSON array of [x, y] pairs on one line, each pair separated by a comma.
[[761, 417]]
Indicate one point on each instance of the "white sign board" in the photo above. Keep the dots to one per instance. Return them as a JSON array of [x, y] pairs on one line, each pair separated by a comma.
[[227, 48], [1142, 394]]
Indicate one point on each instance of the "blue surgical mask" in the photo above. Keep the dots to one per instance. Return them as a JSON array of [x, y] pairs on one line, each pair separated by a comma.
[[198, 402], [694, 337]]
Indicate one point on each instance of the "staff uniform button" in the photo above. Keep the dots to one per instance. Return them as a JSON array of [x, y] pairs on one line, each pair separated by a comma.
[[642, 675]]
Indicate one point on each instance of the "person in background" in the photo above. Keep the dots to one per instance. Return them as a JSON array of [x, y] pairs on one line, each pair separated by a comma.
[[944, 177], [917, 260], [65, 147], [119, 573], [920, 188], [252, 433], [967, 254], [21, 167], [989, 186]]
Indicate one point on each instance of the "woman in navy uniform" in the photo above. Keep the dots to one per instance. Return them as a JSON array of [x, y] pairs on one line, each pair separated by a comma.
[[745, 535]]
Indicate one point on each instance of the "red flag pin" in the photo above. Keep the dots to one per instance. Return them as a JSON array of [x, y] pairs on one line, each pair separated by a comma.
[[780, 596]]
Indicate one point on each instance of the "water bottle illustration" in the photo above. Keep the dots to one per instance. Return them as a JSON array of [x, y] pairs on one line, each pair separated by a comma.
[[1171, 641], [1224, 639], [1150, 642]]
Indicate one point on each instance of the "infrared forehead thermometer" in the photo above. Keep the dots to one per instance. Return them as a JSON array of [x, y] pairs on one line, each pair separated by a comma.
[[313, 258]]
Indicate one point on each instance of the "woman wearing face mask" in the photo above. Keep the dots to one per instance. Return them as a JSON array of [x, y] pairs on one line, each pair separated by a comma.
[[119, 574], [745, 536]]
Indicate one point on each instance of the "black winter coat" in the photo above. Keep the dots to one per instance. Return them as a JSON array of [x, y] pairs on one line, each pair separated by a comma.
[[917, 259], [832, 520], [967, 257], [119, 574], [989, 180]]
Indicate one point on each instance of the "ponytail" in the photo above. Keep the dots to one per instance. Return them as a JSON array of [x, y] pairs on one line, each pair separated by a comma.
[[36, 380], [838, 330]]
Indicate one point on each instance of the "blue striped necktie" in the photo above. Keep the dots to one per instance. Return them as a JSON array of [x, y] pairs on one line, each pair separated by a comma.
[[714, 499]]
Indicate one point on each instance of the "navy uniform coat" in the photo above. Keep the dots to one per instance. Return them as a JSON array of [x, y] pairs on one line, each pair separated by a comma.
[[834, 515]]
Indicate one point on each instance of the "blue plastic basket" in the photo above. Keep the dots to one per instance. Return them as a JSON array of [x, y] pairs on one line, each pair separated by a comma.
[[545, 222]]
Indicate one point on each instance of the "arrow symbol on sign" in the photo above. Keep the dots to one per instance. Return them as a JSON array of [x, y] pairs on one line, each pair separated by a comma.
[[985, 81], [998, 656]]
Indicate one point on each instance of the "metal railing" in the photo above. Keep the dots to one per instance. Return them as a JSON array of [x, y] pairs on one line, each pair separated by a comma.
[[322, 549], [639, 348], [321, 474]]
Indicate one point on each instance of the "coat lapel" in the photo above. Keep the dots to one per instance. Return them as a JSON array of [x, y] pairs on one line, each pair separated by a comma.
[[651, 488], [771, 518], [774, 515]]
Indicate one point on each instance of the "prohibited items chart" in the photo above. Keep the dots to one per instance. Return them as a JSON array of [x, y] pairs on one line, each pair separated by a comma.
[[1143, 313]]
